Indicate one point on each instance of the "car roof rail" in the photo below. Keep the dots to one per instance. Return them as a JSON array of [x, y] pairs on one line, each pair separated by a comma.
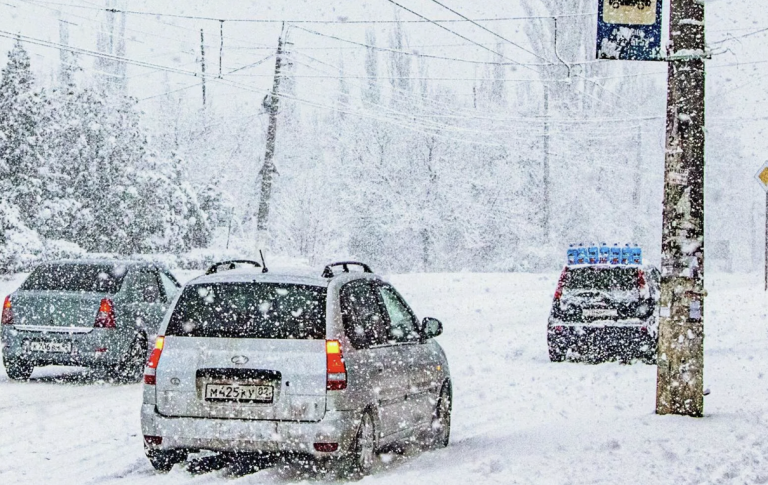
[[328, 271], [232, 264]]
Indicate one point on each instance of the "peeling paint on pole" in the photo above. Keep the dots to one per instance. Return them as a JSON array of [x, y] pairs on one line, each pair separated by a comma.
[[629, 30]]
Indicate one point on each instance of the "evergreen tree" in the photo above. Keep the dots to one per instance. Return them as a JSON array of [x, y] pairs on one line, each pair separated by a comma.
[[21, 106]]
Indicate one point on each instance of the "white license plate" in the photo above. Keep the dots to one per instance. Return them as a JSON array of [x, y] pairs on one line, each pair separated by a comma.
[[52, 347], [238, 392], [600, 313]]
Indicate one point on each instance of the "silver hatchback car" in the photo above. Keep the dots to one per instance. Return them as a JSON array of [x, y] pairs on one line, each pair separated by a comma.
[[332, 366]]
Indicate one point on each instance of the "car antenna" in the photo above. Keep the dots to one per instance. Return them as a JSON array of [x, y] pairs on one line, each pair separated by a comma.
[[263, 263]]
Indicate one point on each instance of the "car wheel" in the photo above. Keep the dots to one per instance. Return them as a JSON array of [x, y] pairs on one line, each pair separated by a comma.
[[441, 418], [360, 460], [164, 460], [18, 370], [650, 357], [132, 366], [556, 353]]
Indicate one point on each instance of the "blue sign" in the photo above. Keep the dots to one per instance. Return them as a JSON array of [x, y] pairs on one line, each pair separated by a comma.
[[629, 30]]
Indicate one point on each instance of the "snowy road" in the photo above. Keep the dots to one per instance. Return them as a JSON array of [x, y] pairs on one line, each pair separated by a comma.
[[517, 417]]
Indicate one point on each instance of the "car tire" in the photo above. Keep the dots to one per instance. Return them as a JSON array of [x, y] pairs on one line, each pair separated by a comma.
[[359, 462], [441, 419], [131, 367], [18, 370], [164, 460], [556, 353], [650, 358]]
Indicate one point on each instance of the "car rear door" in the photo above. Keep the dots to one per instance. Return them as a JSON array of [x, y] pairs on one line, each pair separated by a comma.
[[146, 300], [376, 364], [234, 352], [419, 368]]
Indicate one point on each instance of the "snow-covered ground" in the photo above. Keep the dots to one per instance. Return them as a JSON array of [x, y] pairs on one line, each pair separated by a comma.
[[517, 417]]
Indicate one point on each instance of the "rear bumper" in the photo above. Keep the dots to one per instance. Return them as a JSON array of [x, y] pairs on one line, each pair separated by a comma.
[[250, 435], [98, 347], [634, 337]]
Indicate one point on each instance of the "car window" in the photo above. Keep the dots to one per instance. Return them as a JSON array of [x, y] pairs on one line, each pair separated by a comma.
[[98, 278], [364, 322], [602, 279], [169, 286], [250, 310], [402, 323], [145, 287]]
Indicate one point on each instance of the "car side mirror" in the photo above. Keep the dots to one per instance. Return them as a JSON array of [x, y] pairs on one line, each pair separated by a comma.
[[150, 294], [432, 327]]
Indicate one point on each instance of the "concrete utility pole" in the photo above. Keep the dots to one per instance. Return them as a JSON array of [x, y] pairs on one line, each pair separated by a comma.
[[268, 169], [681, 329], [766, 241]]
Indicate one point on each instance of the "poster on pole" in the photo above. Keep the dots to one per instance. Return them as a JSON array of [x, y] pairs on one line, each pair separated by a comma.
[[629, 30]]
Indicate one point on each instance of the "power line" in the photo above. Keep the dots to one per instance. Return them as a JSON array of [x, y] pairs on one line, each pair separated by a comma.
[[465, 114], [396, 51], [78, 50], [312, 21], [199, 83], [489, 31], [458, 34], [431, 56]]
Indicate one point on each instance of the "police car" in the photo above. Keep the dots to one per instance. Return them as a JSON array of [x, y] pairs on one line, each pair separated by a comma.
[[605, 306]]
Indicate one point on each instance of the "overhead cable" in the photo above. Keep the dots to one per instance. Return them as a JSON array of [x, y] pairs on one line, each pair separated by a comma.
[[502, 56], [309, 21]]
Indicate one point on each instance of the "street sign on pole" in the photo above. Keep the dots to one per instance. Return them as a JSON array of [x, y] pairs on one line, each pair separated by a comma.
[[629, 30], [762, 178]]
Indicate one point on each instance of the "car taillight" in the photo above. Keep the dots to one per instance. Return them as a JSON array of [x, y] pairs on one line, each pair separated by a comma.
[[641, 279], [7, 312], [105, 318], [150, 371], [561, 284], [337, 369]]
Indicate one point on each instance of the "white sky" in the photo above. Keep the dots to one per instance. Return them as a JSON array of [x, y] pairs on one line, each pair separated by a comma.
[[735, 91]]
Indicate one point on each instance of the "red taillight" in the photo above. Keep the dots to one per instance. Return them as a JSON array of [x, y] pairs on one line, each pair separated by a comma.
[[641, 278], [561, 284], [337, 369], [105, 318], [153, 440], [154, 359], [7, 312], [326, 447]]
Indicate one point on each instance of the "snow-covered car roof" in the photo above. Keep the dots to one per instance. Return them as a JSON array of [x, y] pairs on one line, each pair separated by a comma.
[[645, 267], [298, 276], [101, 261]]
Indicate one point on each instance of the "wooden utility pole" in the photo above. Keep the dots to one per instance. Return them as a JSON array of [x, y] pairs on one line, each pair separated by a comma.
[[202, 62], [268, 169], [681, 330]]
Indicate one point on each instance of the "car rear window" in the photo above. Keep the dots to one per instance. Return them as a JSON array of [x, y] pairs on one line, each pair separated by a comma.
[[97, 278], [605, 279], [250, 310]]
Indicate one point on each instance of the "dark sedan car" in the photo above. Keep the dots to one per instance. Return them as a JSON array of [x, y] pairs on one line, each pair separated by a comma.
[[605, 311]]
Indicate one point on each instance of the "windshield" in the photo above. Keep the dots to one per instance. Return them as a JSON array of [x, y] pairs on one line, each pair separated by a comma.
[[601, 279], [250, 310], [96, 278]]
